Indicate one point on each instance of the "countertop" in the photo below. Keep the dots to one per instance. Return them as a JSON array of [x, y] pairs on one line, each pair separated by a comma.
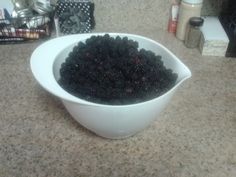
[[194, 137]]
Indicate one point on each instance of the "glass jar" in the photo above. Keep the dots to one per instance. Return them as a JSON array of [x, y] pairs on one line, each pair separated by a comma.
[[188, 9], [22, 8], [193, 32]]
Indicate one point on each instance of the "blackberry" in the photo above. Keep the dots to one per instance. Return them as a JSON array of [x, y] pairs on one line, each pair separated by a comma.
[[113, 71]]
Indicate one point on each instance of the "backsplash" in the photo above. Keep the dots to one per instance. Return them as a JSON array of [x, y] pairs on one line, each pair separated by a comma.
[[152, 14], [132, 14], [213, 7]]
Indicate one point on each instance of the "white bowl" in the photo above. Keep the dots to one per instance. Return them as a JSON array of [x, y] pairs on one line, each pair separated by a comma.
[[110, 121]]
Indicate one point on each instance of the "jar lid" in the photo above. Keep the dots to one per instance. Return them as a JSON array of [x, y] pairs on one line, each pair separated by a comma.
[[196, 21], [193, 1]]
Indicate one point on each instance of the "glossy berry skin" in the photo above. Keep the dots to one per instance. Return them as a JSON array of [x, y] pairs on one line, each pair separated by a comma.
[[114, 71]]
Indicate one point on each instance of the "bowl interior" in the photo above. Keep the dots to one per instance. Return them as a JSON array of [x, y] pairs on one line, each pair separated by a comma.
[[170, 61]]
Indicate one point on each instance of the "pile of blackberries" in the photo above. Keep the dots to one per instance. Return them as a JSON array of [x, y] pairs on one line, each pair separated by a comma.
[[114, 71]]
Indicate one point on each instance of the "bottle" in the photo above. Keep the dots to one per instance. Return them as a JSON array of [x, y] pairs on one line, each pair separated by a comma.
[[188, 9], [172, 25], [193, 32]]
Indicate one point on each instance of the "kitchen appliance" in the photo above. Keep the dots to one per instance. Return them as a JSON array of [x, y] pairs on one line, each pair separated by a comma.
[[228, 21]]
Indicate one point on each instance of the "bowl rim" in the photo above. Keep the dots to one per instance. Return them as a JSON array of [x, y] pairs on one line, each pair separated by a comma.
[[52, 86]]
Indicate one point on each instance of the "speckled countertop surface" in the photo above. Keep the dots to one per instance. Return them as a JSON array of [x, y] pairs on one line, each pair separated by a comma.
[[194, 137]]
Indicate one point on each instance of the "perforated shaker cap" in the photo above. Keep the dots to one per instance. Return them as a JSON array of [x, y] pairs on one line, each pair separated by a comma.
[[193, 1]]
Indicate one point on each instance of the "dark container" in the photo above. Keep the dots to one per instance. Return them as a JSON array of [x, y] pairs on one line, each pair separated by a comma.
[[228, 21]]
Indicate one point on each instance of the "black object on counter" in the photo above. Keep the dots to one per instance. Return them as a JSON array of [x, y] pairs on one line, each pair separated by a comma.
[[228, 21], [75, 16]]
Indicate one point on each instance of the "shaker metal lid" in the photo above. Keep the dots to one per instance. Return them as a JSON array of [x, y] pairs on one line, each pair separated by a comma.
[[196, 21], [42, 7], [193, 1]]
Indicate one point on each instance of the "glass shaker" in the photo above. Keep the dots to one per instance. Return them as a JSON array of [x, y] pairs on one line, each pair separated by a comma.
[[193, 32], [22, 8]]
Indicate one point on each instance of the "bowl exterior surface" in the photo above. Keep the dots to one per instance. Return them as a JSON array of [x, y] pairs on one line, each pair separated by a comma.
[[116, 122]]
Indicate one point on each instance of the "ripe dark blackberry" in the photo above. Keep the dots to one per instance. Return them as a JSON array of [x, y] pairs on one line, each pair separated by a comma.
[[113, 71]]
